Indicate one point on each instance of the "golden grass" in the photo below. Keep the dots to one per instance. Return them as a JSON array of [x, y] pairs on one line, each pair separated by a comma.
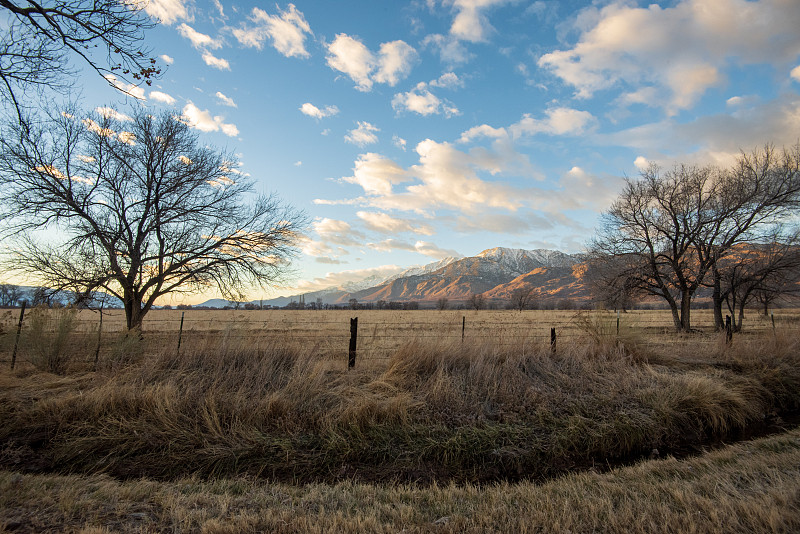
[[750, 487], [380, 333], [432, 411]]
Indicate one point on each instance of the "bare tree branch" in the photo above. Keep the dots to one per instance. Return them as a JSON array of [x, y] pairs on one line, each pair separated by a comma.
[[143, 210]]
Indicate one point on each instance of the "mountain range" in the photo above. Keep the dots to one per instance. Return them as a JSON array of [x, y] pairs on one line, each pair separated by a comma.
[[495, 273]]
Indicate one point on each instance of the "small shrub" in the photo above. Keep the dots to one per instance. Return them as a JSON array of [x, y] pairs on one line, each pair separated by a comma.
[[47, 337]]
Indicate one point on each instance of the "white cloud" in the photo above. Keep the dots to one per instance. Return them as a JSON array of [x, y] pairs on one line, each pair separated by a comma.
[[680, 50], [337, 232], [434, 251], [420, 100], [162, 97], [399, 142], [385, 223], [167, 11], [444, 178], [128, 88], [422, 247], [169, 60], [111, 113], [351, 57], [199, 40], [557, 121], [641, 163], [377, 174], [394, 62], [470, 22], [313, 111], [343, 277], [579, 189], [795, 73], [203, 121], [226, 100], [363, 135], [502, 223], [287, 30], [220, 9], [216, 62], [447, 80], [451, 50], [450, 178], [713, 139]]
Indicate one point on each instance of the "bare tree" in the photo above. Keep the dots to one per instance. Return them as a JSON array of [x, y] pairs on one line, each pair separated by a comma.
[[40, 39], [668, 231], [442, 303], [522, 298], [606, 279], [9, 294], [755, 198], [476, 301], [759, 272], [144, 209], [654, 226]]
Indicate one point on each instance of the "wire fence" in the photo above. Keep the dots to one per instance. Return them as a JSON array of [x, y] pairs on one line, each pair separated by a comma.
[[377, 335]]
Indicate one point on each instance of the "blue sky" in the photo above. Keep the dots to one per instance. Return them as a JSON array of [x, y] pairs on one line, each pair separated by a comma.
[[413, 130]]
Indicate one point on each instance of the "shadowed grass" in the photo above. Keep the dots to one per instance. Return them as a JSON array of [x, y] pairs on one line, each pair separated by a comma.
[[432, 412], [747, 488]]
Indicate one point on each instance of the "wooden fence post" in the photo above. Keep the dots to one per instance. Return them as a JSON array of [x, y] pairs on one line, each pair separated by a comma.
[[617, 323], [99, 334], [180, 332], [351, 359], [728, 329], [19, 329], [773, 323], [552, 339], [463, 327]]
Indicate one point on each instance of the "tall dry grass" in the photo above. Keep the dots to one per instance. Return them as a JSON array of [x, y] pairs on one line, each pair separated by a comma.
[[433, 411]]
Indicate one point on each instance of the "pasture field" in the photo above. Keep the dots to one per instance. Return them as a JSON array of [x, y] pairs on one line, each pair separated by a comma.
[[381, 331], [256, 423]]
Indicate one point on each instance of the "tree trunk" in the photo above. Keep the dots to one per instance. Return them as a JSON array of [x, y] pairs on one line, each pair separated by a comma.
[[716, 296], [676, 318], [133, 311], [686, 310], [741, 316]]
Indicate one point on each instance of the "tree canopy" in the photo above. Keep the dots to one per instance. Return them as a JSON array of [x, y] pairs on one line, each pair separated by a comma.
[[40, 39], [137, 207], [670, 232]]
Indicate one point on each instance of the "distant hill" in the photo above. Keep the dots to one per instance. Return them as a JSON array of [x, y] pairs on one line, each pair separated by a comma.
[[496, 273]]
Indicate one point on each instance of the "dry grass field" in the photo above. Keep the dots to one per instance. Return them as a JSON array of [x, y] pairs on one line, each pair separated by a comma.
[[380, 332], [256, 424]]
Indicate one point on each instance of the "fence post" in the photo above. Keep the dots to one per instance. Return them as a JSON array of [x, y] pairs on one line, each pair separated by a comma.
[[552, 339], [351, 358], [617, 323], [180, 332], [463, 327], [19, 329], [728, 329], [99, 334], [773, 323]]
